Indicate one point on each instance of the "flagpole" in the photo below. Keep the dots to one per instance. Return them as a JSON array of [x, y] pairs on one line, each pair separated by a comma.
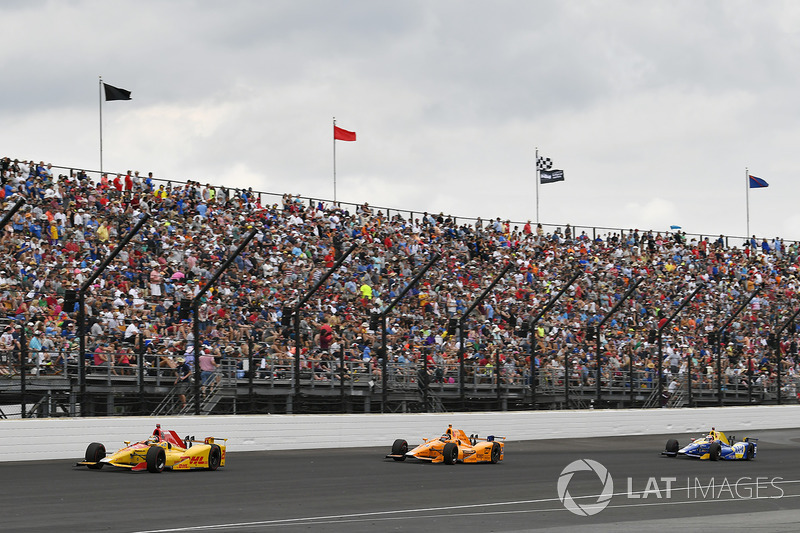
[[334, 161], [747, 195], [536, 162], [100, 98]]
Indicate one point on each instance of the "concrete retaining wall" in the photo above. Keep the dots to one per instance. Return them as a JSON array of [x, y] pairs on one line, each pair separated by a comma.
[[67, 438]]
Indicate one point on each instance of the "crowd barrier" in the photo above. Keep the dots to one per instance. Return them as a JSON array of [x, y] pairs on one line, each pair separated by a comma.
[[67, 438]]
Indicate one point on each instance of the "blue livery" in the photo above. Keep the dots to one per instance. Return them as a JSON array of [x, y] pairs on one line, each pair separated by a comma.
[[713, 447]]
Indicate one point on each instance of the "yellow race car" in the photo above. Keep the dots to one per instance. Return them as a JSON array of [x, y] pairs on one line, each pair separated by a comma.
[[163, 449], [452, 447]]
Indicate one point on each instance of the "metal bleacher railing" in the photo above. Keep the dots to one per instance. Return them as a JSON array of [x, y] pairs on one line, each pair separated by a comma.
[[358, 386], [271, 198]]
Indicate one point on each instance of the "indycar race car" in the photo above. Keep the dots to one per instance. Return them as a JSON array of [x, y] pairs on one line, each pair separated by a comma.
[[453, 446], [714, 446], [163, 449]]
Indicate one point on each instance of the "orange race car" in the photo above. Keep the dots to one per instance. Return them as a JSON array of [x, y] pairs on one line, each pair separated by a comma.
[[453, 446]]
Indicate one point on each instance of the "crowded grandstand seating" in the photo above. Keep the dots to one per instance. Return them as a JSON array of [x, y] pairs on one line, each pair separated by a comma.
[[71, 221]]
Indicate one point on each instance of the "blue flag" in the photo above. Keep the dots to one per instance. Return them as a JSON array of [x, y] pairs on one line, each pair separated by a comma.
[[757, 183]]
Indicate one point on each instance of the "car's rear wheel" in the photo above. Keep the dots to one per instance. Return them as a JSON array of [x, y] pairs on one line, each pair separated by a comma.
[[214, 457], [714, 451], [156, 459], [450, 453], [672, 447], [495, 453], [750, 451], [94, 452], [400, 447]]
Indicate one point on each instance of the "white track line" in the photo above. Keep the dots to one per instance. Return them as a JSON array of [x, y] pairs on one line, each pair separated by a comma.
[[387, 515]]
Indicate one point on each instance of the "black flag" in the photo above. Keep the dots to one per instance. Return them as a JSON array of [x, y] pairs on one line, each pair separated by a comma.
[[115, 93], [551, 176]]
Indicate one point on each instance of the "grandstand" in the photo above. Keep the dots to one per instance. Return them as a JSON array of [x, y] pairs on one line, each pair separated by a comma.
[[673, 319]]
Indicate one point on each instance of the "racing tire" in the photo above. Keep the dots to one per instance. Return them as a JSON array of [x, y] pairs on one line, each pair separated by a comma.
[[450, 453], [94, 452], [714, 451], [496, 452], [214, 457], [156, 459], [672, 447], [750, 451], [400, 447]]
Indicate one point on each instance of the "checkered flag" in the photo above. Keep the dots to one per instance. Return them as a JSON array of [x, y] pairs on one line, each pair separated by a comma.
[[544, 163]]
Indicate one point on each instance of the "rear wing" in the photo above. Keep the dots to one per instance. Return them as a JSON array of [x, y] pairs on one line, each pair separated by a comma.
[[208, 440], [473, 439]]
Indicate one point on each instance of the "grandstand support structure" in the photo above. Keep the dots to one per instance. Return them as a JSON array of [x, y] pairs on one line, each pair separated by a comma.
[[718, 335], [461, 322], [82, 302], [384, 378], [6, 219], [23, 359], [532, 324], [598, 346], [660, 329], [11, 212], [196, 308], [300, 303]]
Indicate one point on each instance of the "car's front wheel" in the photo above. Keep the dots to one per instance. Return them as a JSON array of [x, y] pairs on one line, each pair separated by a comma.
[[94, 453], [672, 447], [156, 459], [450, 453], [399, 447]]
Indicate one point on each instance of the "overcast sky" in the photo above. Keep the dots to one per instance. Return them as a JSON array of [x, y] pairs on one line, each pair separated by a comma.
[[653, 109]]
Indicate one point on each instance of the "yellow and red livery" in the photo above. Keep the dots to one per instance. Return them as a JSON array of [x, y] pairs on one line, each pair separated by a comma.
[[161, 450]]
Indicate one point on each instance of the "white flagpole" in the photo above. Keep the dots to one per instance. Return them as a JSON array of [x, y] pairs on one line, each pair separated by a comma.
[[536, 162], [100, 95], [747, 195], [334, 161]]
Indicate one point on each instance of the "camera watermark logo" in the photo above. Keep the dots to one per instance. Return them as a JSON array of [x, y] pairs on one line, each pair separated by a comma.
[[603, 499]]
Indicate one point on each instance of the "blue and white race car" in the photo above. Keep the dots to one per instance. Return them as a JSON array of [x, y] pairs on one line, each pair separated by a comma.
[[714, 446]]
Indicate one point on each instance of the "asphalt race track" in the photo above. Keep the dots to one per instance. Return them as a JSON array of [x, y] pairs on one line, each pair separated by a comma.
[[357, 490]]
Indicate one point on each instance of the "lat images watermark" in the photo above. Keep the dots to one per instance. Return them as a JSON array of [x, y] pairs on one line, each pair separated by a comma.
[[586, 509], [654, 488]]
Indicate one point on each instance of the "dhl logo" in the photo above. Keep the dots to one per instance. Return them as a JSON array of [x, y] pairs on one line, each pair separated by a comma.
[[196, 460]]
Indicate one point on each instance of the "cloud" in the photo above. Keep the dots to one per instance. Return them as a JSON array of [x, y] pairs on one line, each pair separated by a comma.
[[653, 110]]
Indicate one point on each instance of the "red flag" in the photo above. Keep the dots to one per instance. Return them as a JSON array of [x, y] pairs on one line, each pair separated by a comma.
[[343, 135]]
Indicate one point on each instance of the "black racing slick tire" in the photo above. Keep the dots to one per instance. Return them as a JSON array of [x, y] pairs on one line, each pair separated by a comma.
[[714, 451], [496, 452], [94, 452], [156, 459], [672, 447], [214, 457], [750, 451], [450, 453], [400, 447]]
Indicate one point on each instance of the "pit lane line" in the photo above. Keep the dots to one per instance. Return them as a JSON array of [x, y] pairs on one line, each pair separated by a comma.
[[385, 515]]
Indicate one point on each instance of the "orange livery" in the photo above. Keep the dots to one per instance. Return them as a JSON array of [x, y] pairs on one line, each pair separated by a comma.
[[452, 447]]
